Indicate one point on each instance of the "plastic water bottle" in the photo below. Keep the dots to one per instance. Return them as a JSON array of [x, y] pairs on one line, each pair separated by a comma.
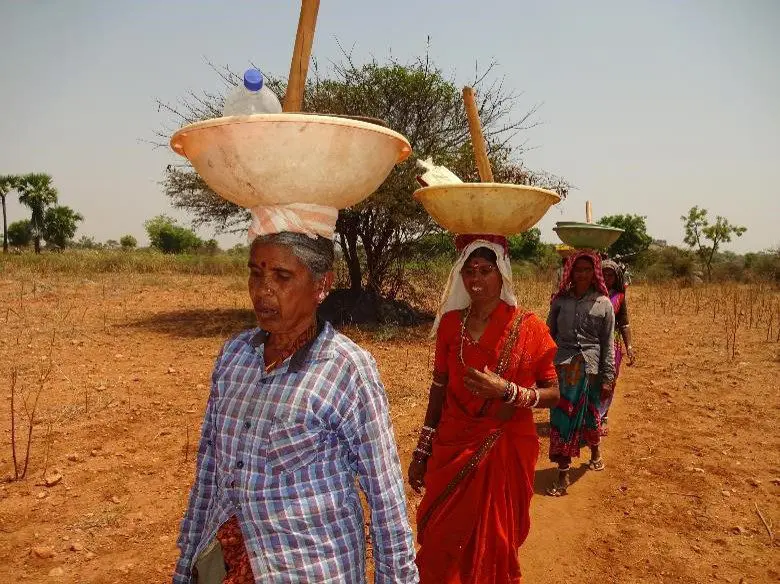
[[253, 97]]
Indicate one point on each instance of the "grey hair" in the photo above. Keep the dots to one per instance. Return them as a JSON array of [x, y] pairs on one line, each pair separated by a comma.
[[316, 254]]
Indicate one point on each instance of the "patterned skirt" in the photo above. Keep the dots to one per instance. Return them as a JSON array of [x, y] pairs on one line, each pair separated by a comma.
[[239, 570], [575, 421], [605, 403]]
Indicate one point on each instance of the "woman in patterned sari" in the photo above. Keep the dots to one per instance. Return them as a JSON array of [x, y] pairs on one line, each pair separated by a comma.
[[478, 448]]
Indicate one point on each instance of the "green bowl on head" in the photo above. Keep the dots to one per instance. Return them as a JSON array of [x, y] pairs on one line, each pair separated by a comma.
[[586, 235]]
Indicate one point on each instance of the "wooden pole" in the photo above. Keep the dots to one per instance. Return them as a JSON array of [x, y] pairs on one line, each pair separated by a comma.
[[588, 212], [477, 139], [299, 67]]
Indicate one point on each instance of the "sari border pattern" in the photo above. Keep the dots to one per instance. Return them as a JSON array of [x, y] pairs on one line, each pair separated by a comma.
[[467, 469]]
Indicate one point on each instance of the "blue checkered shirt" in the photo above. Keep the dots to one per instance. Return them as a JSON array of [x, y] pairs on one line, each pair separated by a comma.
[[281, 451]]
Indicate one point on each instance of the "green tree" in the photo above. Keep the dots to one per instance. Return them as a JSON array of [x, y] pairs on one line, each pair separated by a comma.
[[168, 237], [37, 192], [706, 238], [128, 242], [435, 245], [210, 247], [87, 242], [526, 246], [8, 183], [20, 233], [417, 100], [634, 238], [59, 225]]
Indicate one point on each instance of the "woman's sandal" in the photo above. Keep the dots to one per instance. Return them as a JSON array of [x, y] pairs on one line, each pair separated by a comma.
[[596, 465], [556, 490]]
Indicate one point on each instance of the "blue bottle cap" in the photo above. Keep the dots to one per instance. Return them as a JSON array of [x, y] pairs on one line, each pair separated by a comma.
[[253, 80]]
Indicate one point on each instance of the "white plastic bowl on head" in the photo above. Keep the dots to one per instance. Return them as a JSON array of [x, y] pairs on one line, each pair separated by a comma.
[[277, 159], [500, 209]]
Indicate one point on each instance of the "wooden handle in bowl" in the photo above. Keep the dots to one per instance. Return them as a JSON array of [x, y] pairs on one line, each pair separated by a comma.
[[477, 139]]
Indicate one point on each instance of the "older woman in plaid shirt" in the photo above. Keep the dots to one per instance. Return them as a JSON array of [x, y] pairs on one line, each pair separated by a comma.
[[296, 412]]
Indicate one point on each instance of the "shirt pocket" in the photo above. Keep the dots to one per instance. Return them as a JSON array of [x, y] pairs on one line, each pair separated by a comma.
[[594, 322], [291, 446]]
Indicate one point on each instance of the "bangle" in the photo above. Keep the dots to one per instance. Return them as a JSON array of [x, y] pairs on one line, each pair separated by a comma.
[[510, 399], [425, 441], [508, 391], [527, 398], [538, 397]]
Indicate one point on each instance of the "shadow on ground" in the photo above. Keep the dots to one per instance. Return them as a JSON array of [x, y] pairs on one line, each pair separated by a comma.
[[197, 323], [543, 429], [544, 477]]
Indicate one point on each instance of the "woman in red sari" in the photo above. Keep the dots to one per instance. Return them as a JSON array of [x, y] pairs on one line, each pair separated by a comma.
[[477, 451]]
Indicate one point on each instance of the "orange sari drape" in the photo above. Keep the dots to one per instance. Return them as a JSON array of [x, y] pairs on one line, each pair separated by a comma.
[[474, 515]]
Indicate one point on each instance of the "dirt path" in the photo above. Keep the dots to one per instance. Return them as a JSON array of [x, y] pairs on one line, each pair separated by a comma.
[[693, 449], [693, 453]]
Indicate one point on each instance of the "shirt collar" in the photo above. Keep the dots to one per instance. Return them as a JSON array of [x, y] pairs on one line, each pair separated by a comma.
[[316, 349]]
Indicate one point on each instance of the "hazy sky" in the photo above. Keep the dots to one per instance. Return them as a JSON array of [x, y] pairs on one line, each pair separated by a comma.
[[648, 107]]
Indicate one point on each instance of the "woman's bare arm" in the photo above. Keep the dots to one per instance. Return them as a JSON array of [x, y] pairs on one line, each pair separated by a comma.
[[436, 396]]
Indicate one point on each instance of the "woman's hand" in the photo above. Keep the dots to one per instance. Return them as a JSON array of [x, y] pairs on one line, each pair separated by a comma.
[[484, 384], [417, 470], [631, 356]]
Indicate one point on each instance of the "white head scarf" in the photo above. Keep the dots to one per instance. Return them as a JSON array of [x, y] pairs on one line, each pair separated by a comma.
[[456, 297], [306, 218]]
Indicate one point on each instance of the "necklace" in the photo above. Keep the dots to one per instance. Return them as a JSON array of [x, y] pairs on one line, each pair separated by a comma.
[[463, 332], [304, 338]]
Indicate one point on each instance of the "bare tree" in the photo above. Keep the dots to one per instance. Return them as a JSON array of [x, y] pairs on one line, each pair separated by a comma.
[[416, 99]]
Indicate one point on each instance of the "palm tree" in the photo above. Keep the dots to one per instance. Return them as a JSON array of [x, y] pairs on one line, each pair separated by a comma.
[[37, 192], [8, 182]]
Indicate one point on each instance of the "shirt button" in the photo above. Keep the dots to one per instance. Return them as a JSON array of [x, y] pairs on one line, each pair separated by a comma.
[[247, 425], [240, 464]]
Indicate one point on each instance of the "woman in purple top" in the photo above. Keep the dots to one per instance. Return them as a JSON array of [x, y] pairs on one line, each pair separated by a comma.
[[614, 278]]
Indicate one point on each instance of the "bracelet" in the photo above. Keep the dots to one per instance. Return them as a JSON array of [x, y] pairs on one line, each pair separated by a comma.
[[435, 383], [526, 397], [511, 395], [538, 397], [519, 395], [425, 441]]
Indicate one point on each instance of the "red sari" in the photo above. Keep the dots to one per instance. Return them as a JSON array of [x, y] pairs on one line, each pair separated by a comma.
[[479, 481]]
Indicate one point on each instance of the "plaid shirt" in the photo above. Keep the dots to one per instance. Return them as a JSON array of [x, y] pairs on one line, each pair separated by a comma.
[[281, 450]]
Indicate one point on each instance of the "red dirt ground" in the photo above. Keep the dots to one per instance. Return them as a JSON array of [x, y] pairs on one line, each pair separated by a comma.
[[691, 459]]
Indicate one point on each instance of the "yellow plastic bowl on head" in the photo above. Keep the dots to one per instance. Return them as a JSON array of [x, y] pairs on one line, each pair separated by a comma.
[[277, 159], [500, 209]]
